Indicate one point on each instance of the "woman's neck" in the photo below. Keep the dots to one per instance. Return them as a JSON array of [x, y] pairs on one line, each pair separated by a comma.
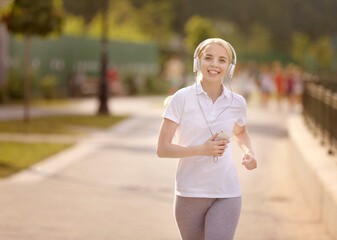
[[213, 90]]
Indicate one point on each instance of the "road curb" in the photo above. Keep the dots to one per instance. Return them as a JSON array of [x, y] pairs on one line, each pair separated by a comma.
[[316, 172], [51, 165]]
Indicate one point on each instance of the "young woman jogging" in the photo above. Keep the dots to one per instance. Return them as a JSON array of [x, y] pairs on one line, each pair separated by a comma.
[[208, 196]]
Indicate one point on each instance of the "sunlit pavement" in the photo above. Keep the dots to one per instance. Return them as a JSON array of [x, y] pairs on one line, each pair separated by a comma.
[[112, 185]]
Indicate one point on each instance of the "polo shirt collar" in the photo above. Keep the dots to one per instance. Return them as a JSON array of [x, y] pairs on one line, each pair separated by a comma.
[[225, 93]]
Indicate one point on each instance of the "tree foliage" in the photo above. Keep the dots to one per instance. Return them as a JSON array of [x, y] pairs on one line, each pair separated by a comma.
[[155, 18], [85, 8], [128, 19], [197, 30], [37, 17], [323, 50], [281, 17], [259, 40], [123, 23], [314, 55], [276, 20], [74, 25]]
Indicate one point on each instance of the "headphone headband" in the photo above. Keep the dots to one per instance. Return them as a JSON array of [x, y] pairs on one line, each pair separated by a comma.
[[196, 52]]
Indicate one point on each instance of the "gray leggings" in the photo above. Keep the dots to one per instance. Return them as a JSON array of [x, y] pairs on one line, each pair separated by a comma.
[[207, 218]]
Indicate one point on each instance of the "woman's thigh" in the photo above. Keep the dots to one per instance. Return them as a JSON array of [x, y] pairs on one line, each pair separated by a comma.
[[190, 216], [222, 219]]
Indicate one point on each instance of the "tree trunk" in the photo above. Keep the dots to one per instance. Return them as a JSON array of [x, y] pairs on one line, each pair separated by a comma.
[[103, 90], [4, 39], [3, 54], [26, 78]]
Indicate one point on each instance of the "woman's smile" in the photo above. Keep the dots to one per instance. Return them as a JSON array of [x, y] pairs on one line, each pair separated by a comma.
[[213, 72]]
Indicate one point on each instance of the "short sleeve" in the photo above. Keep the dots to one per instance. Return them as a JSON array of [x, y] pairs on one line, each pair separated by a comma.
[[243, 113], [174, 109]]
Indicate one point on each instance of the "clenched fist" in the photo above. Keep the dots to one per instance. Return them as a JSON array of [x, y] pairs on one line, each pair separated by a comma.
[[248, 160]]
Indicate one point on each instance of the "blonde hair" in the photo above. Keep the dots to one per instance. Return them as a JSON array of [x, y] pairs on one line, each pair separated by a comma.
[[209, 41], [167, 100]]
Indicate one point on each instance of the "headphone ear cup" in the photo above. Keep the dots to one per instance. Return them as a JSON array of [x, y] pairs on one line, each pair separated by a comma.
[[196, 65], [231, 70]]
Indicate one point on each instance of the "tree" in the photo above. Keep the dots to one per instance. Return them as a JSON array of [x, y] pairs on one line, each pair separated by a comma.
[[280, 17], [159, 25], [156, 18], [32, 17], [312, 55], [259, 40], [73, 25], [302, 50], [124, 23], [197, 30], [323, 50]]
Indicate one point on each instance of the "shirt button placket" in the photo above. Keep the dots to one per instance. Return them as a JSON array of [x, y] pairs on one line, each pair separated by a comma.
[[209, 110]]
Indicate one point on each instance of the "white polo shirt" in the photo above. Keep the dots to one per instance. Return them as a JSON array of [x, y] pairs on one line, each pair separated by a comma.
[[200, 176]]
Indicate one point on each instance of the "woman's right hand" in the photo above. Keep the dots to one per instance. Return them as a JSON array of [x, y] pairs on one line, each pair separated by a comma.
[[214, 148]]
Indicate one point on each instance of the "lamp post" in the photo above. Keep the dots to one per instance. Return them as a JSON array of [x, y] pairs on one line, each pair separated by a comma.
[[103, 92]]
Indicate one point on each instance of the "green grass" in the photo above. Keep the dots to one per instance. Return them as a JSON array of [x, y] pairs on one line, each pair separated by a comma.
[[17, 156], [45, 103], [59, 124], [53, 103]]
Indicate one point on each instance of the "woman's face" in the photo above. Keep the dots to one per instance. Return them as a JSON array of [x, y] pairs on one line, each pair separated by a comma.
[[214, 62]]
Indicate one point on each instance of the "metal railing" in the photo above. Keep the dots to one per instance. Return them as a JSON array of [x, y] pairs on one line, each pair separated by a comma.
[[320, 109]]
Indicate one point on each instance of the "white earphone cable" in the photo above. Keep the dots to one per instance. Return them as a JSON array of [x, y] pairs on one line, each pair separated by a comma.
[[215, 159]]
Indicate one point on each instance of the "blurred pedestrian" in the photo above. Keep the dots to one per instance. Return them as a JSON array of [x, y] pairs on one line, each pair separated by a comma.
[[204, 117], [244, 82], [76, 82], [174, 73], [114, 81], [266, 85], [290, 83], [279, 82], [298, 85]]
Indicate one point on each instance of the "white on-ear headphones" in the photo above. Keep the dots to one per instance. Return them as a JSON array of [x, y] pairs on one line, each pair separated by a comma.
[[196, 61]]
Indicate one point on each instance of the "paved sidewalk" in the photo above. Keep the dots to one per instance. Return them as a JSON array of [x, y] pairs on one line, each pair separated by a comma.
[[119, 105], [112, 186]]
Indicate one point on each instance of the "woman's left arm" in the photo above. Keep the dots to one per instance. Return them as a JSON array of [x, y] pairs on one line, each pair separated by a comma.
[[243, 140]]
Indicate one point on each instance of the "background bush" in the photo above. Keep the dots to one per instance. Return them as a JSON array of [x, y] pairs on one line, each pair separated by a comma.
[[48, 87]]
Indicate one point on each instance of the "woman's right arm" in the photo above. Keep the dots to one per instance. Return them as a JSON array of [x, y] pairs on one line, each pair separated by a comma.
[[166, 149]]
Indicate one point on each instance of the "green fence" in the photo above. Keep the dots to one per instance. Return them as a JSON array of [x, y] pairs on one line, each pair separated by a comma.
[[64, 56]]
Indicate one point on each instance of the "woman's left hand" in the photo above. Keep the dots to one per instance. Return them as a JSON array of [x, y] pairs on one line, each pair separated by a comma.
[[248, 160]]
